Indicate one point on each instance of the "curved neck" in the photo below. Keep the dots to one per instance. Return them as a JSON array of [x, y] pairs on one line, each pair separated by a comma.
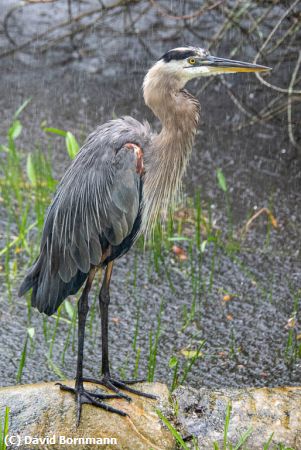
[[165, 96], [167, 159]]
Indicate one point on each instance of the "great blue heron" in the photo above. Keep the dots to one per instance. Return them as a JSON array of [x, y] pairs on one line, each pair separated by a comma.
[[115, 188]]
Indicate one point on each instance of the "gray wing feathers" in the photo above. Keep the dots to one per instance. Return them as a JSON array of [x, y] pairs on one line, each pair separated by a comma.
[[98, 195], [97, 198]]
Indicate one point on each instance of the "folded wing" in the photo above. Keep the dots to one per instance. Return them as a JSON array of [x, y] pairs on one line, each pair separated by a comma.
[[95, 206]]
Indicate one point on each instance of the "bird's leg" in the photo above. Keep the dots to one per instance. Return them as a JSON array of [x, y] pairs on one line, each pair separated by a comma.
[[106, 380], [104, 301], [82, 395]]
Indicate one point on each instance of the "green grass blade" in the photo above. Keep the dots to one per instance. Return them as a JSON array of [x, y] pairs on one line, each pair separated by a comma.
[[153, 348], [30, 169], [22, 361], [243, 438], [69, 309], [267, 444], [72, 145], [21, 108], [15, 130], [221, 180], [55, 368], [173, 431], [227, 423], [191, 362], [55, 131], [4, 429]]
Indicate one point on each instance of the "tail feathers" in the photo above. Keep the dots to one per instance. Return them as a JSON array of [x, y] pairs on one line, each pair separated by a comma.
[[31, 278], [52, 291], [49, 290]]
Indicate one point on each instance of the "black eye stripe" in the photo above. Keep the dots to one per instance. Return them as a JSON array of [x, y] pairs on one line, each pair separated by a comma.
[[178, 55]]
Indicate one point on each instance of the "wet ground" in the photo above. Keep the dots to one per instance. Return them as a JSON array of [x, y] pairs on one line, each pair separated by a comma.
[[247, 337]]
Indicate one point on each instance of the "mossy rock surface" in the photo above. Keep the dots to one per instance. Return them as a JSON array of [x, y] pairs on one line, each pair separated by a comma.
[[263, 411]]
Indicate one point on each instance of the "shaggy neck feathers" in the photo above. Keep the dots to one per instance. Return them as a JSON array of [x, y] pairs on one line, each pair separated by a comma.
[[167, 159]]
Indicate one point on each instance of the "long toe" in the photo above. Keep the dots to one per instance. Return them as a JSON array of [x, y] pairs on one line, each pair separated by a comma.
[[109, 383], [100, 395], [102, 405], [123, 385], [142, 380], [105, 396], [114, 385], [63, 387]]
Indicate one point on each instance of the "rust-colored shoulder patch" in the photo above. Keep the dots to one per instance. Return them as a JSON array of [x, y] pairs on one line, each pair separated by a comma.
[[139, 156]]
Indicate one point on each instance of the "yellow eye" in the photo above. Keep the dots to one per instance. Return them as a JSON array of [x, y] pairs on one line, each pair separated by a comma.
[[191, 61]]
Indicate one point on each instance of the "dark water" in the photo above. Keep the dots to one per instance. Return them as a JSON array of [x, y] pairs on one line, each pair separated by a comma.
[[246, 338]]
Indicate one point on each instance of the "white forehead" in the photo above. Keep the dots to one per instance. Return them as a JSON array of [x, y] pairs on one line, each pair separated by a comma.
[[198, 50], [182, 49]]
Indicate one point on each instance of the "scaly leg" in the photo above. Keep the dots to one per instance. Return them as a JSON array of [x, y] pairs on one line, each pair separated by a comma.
[[106, 380], [82, 395]]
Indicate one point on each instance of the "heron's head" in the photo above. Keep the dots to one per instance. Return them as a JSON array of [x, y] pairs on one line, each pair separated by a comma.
[[179, 65], [185, 63]]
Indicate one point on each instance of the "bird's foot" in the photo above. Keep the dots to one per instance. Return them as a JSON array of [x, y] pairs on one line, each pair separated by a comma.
[[86, 397], [115, 385]]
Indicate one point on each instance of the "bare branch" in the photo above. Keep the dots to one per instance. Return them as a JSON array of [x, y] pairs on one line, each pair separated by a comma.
[[289, 104], [197, 13], [260, 52]]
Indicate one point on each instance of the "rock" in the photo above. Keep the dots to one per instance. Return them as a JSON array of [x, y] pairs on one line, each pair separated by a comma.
[[201, 413], [43, 411]]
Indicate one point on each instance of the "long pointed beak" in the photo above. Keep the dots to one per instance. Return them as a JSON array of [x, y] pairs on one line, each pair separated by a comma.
[[222, 65]]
